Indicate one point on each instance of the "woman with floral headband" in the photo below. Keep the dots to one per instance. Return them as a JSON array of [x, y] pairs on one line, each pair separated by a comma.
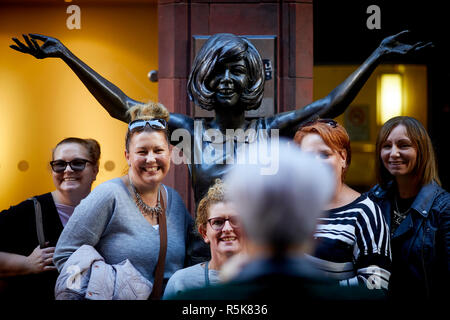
[[125, 218]]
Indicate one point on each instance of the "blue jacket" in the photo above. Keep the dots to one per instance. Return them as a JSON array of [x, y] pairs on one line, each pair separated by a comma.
[[421, 244]]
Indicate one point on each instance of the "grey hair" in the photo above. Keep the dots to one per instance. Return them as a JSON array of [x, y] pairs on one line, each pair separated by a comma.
[[282, 209]]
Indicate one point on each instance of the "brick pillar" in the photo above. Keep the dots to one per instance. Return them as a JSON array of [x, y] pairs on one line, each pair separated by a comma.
[[291, 21], [295, 55]]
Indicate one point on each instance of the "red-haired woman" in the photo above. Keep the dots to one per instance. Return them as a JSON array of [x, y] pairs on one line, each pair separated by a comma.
[[351, 238]]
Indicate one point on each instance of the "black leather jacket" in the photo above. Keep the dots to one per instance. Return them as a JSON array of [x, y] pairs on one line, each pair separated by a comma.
[[421, 243]]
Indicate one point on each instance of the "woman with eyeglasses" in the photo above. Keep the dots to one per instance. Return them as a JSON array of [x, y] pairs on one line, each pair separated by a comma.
[[352, 238], [220, 227], [134, 217], [416, 208], [26, 268]]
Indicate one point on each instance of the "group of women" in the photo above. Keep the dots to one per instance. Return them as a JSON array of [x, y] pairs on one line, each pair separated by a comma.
[[394, 237]]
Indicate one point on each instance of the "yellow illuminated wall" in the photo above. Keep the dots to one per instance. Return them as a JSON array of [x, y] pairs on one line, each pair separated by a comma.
[[326, 78], [42, 101]]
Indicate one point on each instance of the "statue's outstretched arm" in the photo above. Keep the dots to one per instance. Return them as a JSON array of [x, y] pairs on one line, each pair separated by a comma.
[[110, 97], [340, 98]]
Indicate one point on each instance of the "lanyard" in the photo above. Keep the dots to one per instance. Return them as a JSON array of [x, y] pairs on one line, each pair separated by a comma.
[[206, 274]]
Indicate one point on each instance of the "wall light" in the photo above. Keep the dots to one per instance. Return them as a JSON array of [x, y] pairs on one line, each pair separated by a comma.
[[390, 97]]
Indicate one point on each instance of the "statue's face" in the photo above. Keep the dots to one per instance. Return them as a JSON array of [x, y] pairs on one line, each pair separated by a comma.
[[228, 81]]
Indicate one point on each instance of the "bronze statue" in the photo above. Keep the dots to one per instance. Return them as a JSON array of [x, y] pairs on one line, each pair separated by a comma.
[[227, 76]]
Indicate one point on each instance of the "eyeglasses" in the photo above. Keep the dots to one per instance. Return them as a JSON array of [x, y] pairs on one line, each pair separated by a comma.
[[59, 166], [218, 223], [330, 122], [158, 124]]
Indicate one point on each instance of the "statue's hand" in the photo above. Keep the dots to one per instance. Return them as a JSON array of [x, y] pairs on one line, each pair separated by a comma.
[[50, 48], [393, 44]]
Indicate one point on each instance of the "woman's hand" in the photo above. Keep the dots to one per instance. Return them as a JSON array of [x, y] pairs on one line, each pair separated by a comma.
[[40, 260], [393, 44], [50, 48]]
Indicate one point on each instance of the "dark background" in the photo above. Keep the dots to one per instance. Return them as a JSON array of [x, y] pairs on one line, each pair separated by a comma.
[[341, 37]]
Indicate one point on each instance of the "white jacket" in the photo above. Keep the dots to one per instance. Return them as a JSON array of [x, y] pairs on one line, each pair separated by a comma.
[[85, 275]]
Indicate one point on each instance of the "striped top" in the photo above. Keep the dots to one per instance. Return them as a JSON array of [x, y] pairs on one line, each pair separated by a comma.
[[353, 244]]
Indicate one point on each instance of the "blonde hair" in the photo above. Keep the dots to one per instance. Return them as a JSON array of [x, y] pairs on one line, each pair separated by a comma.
[[148, 111], [216, 194]]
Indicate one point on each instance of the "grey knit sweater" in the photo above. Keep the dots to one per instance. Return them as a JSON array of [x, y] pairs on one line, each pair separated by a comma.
[[109, 220]]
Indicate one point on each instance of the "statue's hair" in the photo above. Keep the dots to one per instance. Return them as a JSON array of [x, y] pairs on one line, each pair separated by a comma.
[[220, 48], [150, 110]]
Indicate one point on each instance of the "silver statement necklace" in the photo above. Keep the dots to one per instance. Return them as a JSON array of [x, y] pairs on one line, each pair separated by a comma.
[[143, 207]]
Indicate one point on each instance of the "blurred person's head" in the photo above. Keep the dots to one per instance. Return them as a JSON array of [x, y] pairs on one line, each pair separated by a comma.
[[219, 225], [279, 211]]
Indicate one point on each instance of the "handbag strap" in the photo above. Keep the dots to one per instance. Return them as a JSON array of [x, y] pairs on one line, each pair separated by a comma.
[[206, 274], [39, 225], [159, 271]]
